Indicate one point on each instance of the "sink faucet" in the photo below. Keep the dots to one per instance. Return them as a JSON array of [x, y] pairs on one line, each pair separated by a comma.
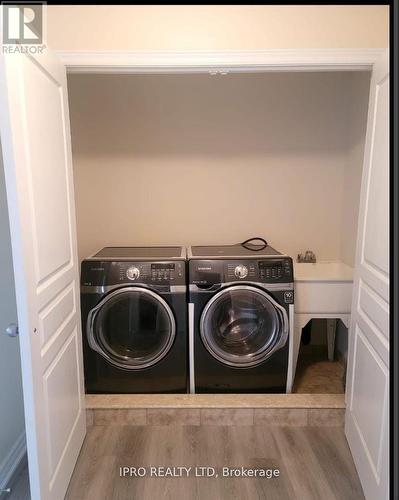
[[309, 257]]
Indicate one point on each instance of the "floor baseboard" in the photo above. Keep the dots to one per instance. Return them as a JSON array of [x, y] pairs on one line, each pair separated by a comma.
[[13, 463]]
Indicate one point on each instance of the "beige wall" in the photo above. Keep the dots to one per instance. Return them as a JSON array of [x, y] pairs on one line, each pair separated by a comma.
[[357, 113], [123, 27], [12, 423], [196, 159]]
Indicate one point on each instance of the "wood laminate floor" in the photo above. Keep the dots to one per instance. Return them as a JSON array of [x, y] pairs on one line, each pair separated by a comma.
[[20, 487], [314, 463]]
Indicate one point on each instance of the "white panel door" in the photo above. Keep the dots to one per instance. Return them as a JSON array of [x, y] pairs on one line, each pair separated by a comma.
[[367, 413], [36, 144]]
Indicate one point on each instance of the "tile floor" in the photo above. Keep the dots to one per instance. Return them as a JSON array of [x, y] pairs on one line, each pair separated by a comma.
[[315, 374]]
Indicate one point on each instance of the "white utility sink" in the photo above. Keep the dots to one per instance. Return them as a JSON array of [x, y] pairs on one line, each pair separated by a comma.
[[324, 270], [323, 288]]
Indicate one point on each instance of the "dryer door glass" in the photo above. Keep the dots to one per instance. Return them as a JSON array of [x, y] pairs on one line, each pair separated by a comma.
[[242, 326], [132, 328]]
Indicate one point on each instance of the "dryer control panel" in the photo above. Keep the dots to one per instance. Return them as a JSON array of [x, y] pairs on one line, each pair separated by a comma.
[[108, 273]]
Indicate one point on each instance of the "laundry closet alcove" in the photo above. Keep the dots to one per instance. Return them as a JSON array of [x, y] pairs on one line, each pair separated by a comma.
[[195, 148], [166, 159]]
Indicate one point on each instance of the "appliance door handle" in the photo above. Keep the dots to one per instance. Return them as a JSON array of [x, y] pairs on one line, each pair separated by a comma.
[[205, 288], [191, 372]]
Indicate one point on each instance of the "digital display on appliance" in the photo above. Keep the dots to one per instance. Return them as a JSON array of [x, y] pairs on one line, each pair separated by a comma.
[[163, 266], [268, 264]]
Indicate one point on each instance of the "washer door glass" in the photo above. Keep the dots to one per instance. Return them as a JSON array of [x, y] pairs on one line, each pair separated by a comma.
[[241, 326], [132, 328]]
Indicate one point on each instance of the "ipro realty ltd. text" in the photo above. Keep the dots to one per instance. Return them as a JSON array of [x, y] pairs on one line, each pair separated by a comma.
[[197, 471]]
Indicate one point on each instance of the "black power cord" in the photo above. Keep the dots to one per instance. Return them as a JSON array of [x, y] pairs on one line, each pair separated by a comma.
[[263, 245]]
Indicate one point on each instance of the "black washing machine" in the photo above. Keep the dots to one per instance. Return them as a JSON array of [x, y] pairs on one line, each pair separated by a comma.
[[240, 319], [134, 320]]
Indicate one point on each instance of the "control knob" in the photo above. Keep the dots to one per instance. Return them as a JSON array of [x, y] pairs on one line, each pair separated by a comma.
[[133, 273], [241, 271]]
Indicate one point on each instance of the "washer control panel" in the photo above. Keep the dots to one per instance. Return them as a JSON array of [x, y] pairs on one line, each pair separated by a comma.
[[268, 270], [274, 269], [133, 273], [263, 270], [241, 271]]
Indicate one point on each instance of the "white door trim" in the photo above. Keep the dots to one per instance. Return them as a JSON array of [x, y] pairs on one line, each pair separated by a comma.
[[220, 61]]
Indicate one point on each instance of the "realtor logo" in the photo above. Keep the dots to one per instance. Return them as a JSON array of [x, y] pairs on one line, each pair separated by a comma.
[[23, 24]]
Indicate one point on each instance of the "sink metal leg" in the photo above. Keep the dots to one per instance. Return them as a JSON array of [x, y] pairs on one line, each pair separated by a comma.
[[331, 331], [295, 342]]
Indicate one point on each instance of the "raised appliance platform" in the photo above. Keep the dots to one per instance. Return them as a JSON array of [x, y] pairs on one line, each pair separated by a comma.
[[216, 409]]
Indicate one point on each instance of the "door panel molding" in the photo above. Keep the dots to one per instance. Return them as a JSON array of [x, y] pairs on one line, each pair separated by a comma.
[[38, 166], [366, 422]]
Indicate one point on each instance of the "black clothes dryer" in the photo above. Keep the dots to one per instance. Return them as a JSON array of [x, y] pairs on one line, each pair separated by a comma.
[[134, 320], [240, 319]]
